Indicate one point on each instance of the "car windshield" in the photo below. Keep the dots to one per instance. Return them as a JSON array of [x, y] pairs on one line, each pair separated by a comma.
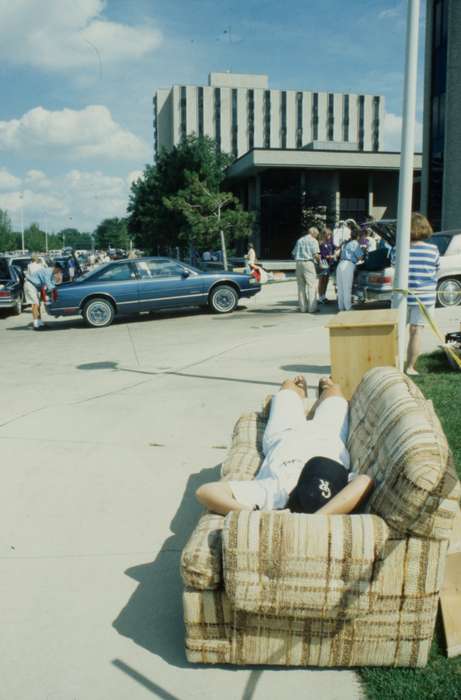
[[89, 273], [5, 273], [442, 243]]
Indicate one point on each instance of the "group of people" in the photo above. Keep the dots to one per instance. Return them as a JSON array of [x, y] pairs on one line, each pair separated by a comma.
[[320, 254]]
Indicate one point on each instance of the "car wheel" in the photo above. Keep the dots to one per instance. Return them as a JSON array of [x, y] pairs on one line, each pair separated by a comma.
[[449, 292], [17, 308], [223, 299], [98, 312]]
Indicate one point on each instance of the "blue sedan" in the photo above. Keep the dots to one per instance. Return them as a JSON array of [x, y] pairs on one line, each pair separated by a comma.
[[148, 284]]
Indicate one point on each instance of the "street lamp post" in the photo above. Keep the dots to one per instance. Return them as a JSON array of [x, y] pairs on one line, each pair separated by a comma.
[[399, 300]]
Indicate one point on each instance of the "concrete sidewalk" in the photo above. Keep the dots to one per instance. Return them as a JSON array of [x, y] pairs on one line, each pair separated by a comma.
[[105, 436]]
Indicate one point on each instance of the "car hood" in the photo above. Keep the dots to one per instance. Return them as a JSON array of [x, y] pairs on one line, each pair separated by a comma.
[[386, 228]]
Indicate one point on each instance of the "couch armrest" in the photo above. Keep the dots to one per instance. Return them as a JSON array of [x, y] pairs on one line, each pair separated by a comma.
[[201, 558], [300, 566]]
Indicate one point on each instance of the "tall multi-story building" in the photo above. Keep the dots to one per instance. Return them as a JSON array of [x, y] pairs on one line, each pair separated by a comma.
[[441, 177], [241, 112]]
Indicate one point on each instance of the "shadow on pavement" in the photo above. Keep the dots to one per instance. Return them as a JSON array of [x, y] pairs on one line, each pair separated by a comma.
[[90, 366], [153, 618], [308, 369]]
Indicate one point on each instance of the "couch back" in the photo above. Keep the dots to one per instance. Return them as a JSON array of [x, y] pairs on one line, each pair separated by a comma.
[[396, 438]]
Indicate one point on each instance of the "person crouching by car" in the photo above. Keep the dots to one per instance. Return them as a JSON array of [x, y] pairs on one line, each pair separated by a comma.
[[38, 283]]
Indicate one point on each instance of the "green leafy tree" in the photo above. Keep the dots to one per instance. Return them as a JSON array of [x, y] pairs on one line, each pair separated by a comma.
[[34, 238], [75, 238], [151, 223], [8, 239], [204, 213], [112, 233]]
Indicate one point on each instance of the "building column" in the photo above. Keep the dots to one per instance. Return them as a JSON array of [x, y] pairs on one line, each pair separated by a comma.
[[257, 209], [336, 196], [371, 203]]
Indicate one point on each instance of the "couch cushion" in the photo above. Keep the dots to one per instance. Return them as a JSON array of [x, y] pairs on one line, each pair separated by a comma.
[[245, 454], [302, 565], [397, 439]]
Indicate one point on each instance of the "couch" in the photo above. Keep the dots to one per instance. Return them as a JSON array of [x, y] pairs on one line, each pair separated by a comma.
[[343, 590]]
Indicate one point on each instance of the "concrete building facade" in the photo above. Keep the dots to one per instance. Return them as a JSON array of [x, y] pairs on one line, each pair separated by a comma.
[[241, 112], [441, 177], [278, 184]]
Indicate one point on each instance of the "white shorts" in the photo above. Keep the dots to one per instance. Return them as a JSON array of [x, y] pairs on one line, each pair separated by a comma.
[[415, 315], [31, 293]]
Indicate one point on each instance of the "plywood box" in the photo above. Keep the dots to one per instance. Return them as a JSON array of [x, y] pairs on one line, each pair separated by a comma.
[[360, 340]]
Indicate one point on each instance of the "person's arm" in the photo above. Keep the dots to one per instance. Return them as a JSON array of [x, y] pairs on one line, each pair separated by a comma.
[[349, 497]]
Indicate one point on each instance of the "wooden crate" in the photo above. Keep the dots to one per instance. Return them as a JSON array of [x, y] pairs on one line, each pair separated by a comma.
[[360, 340]]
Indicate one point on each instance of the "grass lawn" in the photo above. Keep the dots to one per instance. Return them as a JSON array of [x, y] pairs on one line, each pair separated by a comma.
[[441, 679]]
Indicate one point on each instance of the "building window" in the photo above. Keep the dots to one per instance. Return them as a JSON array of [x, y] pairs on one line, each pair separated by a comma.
[[217, 117], [376, 125], [437, 114], [200, 110], [361, 122], [299, 120], [315, 116], [346, 118], [251, 119], [283, 130], [331, 116], [234, 123], [267, 119], [183, 109]]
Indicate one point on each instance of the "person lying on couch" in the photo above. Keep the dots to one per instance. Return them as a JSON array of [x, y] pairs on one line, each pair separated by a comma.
[[306, 465]]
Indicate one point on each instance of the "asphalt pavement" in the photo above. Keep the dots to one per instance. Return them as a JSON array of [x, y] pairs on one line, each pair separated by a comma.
[[105, 434]]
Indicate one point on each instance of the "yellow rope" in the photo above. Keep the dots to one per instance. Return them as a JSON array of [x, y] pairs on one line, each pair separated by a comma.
[[436, 330]]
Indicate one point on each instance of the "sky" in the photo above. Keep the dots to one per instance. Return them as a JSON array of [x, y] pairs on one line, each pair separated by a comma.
[[77, 78]]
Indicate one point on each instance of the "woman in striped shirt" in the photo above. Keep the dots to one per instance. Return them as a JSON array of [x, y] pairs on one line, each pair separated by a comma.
[[422, 280]]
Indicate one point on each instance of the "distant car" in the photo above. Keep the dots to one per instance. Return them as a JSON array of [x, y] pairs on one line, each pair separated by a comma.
[[374, 279], [149, 284], [10, 288]]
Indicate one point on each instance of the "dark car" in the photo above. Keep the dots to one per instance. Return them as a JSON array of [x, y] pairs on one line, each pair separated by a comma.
[[149, 284], [375, 278], [10, 288]]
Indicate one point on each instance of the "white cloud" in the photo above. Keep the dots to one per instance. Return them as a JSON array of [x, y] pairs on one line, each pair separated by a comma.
[[133, 176], [8, 181], [79, 198], [86, 133], [390, 12], [69, 34], [392, 133]]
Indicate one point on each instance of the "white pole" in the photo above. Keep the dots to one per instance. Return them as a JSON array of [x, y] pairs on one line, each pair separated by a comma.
[[21, 196], [399, 301]]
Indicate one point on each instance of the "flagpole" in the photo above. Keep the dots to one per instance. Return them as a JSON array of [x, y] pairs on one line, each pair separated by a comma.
[[399, 301]]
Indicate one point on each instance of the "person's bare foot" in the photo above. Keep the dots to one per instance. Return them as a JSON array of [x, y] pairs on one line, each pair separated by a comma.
[[325, 383], [300, 382]]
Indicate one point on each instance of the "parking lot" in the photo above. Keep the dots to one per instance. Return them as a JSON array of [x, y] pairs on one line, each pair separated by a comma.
[[105, 434]]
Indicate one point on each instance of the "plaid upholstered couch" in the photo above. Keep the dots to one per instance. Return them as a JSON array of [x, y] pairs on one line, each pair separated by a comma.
[[349, 590]]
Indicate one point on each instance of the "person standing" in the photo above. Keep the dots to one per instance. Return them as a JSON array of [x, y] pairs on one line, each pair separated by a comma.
[[422, 280], [71, 268], [350, 255], [35, 264], [307, 253], [341, 234], [36, 283], [327, 258]]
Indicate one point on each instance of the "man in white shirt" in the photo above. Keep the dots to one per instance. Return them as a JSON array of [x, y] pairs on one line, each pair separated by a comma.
[[306, 464], [341, 234], [307, 253]]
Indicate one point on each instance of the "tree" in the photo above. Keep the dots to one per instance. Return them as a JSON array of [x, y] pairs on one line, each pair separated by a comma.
[[155, 226], [76, 239], [112, 233], [205, 213], [8, 239], [34, 238]]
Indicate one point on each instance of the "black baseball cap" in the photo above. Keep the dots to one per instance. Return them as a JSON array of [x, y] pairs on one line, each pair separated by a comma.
[[320, 480]]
